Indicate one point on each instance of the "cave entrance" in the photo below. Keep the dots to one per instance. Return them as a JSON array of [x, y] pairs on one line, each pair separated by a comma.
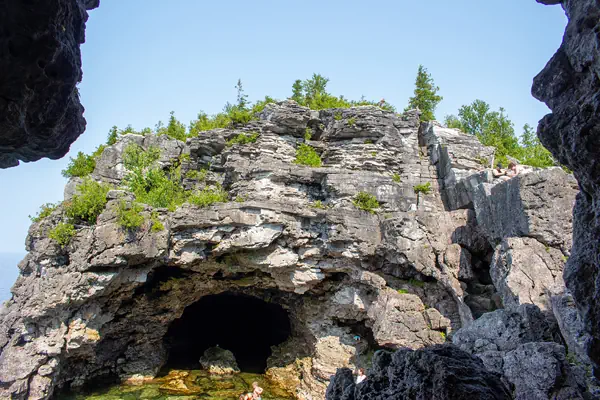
[[245, 325]]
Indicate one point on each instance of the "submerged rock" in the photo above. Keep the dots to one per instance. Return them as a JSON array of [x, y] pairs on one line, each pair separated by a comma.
[[219, 361]]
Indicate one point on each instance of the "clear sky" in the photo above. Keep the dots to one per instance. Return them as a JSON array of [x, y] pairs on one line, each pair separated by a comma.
[[144, 58]]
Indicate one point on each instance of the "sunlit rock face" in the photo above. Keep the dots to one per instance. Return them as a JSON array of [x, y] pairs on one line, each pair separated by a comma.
[[40, 65], [569, 85], [122, 304]]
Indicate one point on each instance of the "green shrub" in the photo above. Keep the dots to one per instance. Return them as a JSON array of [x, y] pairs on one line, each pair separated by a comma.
[[443, 335], [424, 188], [396, 178], [338, 116], [129, 217], [318, 204], [416, 283], [157, 226], [62, 233], [308, 134], [45, 210], [351, 121], [243, 138], [82, 165], [158, 188], [88, 201], [306, 155], [368, 141], [240, 199], [373, 153], [402, 291], [206, 123], [197, 175], [366, 202], [208, 196], [136, 158]]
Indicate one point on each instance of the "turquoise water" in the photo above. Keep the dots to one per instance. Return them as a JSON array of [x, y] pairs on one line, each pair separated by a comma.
[[188, 385], [8, 273]]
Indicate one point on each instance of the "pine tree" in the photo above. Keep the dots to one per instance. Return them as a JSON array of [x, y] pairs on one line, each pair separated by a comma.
[[242, 99], [297, 90], [425, 96]]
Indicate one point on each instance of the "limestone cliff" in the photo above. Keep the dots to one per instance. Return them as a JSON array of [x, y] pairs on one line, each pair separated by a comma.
[[40, 65], [406, 275], [569, 85]]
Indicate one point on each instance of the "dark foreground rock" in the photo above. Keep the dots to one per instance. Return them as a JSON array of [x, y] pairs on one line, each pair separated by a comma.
[[440, 372], [569, 85], [40, 66]]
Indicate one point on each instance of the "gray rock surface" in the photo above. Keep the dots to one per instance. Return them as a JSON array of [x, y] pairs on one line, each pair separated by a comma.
[[40, 112], [404, 276], [219, 361], [441, 372], [569, 86]]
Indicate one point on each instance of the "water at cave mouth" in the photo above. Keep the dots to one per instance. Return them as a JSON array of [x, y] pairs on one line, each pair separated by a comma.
[[245, 325]]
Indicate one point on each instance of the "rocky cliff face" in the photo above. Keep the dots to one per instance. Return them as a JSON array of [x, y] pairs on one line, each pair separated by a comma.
[[569, 85], [40, 63], [408, 275]]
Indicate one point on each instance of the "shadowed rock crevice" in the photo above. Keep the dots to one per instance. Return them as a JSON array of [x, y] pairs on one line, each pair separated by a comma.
[[245, 325]]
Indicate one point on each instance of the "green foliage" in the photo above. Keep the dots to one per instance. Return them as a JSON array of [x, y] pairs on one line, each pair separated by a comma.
[[425, 96], [396, 178], [443, 335], [416, 283], [424, 188], [240, 199], [260, 105], [306, 155], [174, 129], [402, 291], [197, 175], [88, 201], [351, 121], [151, 184], [62, 233], [136, 158], [338, 116], [483, 161], [298, 92], [243, 138], [318, 204], [308, 134], [242, 98], [45, 210], [533, 152], [206, 123], [113, 136], [366, 202], [157, 226], [129, 217], [373, 153], [368, 141], [209, 196], [494, 128], [82, 165]]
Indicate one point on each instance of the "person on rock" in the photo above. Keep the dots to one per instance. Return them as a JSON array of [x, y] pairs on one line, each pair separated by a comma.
[[361, 376], [498, 171], [257, 392], [513, 169]]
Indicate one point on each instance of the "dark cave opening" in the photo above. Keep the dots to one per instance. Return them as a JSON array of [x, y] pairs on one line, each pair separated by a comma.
[[245, 325]]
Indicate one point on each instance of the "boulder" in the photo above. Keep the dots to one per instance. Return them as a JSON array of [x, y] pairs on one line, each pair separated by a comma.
[[219, 361]]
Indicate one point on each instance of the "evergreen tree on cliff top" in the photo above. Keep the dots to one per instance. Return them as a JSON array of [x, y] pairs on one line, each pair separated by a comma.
[[426, 98]]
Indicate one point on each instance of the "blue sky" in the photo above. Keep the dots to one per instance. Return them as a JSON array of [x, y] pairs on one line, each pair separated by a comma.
[[143, 59]]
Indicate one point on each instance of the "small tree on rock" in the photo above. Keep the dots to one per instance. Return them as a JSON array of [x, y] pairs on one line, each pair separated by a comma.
[[425, 96]]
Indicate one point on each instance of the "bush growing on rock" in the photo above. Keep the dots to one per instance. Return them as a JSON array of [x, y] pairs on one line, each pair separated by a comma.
[[45, 210], [396, 178], [424, 188], [366, 202], [88, 201], [80, 166], [129, 217], [62, 233], [157, 226], [209, 196], [425, 96], [243, 138], [306, 155]]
